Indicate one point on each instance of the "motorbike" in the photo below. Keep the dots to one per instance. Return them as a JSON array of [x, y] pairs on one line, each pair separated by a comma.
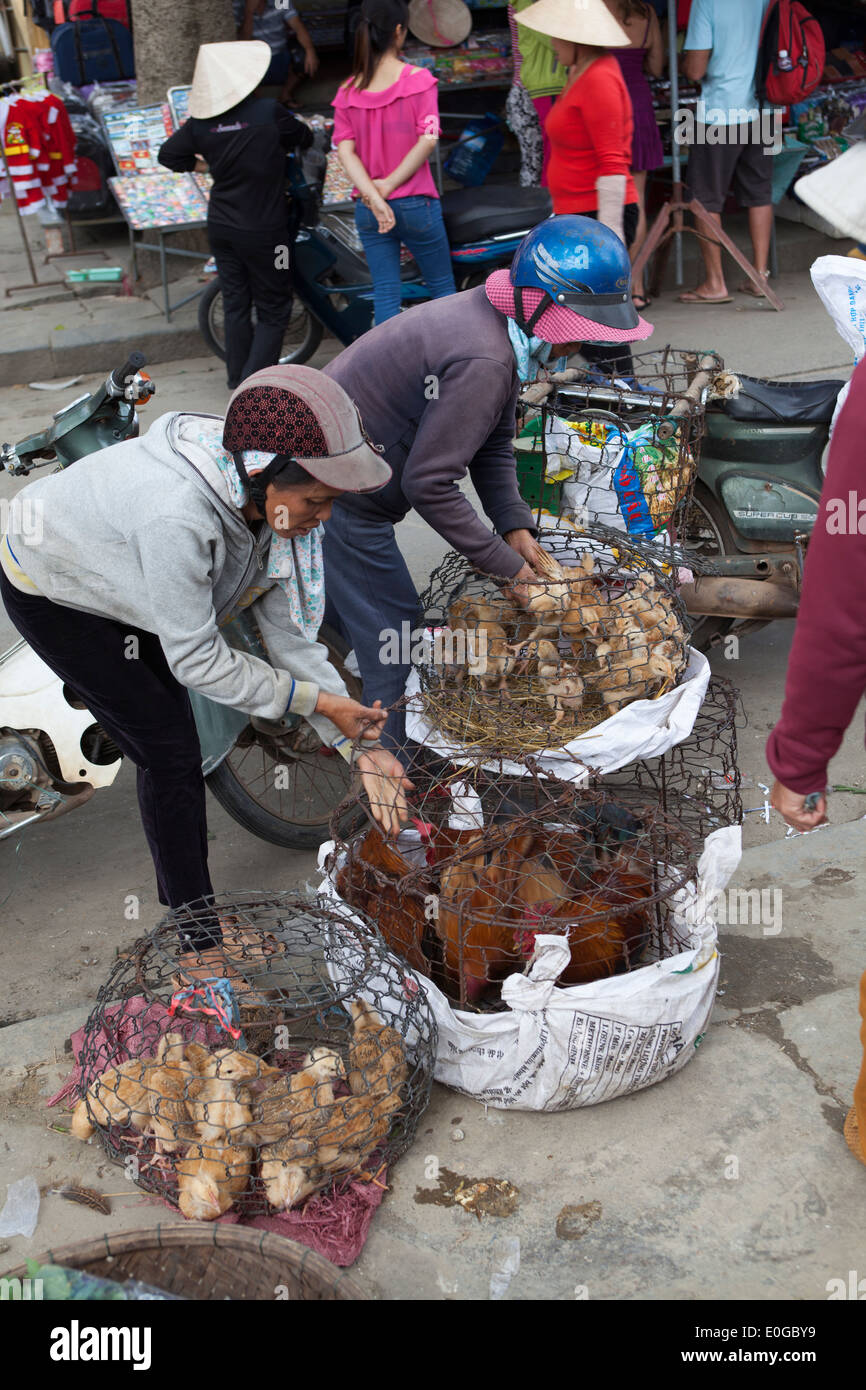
[[53, 753], [333, 290], [747, 524], [755, 502]]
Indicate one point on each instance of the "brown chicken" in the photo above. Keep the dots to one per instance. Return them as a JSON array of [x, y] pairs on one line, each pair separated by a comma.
[[369, 881], [377, 1058], [475, 912], [209, 1177], [493, 904], [604, 918]]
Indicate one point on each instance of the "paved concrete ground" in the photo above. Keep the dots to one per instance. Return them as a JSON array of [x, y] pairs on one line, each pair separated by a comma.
[[659, 1213]]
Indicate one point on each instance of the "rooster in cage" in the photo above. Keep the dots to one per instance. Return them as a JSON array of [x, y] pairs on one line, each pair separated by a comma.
[[370, 879], [586, 882]]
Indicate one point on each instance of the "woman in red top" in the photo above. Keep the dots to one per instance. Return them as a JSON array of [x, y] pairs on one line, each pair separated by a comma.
[[590, 124]]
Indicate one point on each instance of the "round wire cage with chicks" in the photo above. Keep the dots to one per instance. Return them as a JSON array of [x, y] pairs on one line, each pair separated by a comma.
[[511, 672], [255, 1049], [595, 443], [489, 860]]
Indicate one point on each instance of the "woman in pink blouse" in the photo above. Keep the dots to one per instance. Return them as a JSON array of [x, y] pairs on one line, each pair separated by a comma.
[[386, 125]]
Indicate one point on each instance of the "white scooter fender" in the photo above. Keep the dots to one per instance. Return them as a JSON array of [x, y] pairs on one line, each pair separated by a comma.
[[33, 700]]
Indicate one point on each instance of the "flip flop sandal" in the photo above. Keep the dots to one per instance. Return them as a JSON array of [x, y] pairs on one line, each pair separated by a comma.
[[692, 297], [748, 288], [244, 946], [852, 1135], [641, 302]]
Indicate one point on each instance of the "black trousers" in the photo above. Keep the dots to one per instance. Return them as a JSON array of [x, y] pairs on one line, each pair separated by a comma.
[[615, 360], [122, 676], [249, 278]]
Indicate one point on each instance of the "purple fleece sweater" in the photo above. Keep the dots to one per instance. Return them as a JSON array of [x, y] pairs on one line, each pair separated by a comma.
[[437, 386]]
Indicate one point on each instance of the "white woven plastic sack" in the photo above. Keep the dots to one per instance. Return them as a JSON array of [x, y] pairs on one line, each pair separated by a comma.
[[644, 729], [841, 285], [561, 1048]]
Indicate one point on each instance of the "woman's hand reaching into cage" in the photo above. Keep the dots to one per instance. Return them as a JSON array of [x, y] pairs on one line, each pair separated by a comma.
[[353, 719], [385, 783]]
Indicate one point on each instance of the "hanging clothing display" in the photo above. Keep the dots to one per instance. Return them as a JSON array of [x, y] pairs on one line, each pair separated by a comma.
[[40, 149], [56, 164]]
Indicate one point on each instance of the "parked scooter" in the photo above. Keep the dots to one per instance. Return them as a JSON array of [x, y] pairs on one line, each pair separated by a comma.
[[756, 496], [333, 290], [54, 755]]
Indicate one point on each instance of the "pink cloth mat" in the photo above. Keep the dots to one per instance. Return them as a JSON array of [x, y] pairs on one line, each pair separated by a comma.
[[334, 1224]]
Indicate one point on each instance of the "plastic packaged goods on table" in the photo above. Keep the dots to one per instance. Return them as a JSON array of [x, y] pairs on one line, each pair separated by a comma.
[[135, 135], [482, 56], [160, 200]]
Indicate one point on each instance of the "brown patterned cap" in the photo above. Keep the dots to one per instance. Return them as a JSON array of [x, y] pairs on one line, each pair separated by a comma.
[[300, 412]]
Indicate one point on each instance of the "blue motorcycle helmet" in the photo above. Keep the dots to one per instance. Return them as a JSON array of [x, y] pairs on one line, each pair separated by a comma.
[[570, 281]]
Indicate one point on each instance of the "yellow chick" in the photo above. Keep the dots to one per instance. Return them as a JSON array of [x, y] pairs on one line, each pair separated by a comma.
[[220, 1096], [209, 1178], [377, 1058], [118, 1097], [291, 1170]]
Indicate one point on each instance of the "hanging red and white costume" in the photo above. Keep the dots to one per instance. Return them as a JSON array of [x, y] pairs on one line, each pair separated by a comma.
[[22, 137], [56, 164], [40, 150]]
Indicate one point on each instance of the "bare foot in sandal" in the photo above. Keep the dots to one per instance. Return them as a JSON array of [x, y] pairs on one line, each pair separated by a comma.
[[748, 288], [702, 296]]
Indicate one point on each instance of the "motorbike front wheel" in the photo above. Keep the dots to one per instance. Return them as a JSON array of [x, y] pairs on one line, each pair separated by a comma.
[[289, 801], [302, 337]]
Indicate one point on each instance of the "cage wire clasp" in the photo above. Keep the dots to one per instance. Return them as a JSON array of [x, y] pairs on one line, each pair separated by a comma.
[[216, 999]]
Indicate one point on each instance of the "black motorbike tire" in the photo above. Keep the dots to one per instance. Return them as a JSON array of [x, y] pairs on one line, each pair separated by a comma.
[[232, 795], [210, 316], [708, 632]]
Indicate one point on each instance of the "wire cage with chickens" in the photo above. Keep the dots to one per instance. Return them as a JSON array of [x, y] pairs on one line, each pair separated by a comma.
[[510, 675], [254, 1050], [490, 861], [598, 447]]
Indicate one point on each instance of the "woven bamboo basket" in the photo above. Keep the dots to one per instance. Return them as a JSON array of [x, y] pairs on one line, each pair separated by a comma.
[[208, 1262]]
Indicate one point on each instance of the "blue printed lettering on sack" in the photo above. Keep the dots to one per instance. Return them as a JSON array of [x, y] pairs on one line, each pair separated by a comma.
[[630, 495]]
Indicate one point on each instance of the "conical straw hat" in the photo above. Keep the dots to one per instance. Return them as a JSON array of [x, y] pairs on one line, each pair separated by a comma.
[[576, 21], [837, 192], [225, 73], [440, 23]]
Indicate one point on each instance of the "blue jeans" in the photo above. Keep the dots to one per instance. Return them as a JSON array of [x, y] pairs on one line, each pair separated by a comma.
[[418, 225], [369, 593]]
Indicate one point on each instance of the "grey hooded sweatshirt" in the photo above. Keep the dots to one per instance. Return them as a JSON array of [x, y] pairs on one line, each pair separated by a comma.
[[145, 533]]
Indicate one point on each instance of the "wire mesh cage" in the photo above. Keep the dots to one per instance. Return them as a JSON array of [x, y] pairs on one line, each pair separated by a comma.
[[621, 451], [512, 675], [254, 1050], [698, 780], [489, 861]]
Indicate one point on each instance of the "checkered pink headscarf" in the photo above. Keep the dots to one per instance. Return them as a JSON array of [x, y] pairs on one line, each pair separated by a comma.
[[558, 324]]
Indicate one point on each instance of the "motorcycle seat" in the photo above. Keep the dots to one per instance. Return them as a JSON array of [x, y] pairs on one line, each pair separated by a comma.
[[787, 402], [474, 214]]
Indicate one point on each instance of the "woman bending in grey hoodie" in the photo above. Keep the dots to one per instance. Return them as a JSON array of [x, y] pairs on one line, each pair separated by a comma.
[[165, 539]]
